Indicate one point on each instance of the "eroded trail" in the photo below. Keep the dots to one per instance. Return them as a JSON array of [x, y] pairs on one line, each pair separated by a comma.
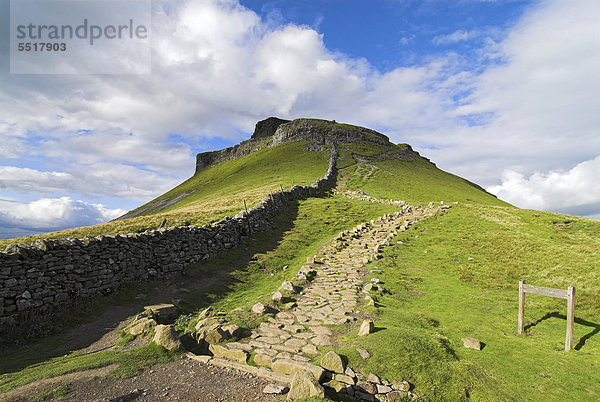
[[290, 340]]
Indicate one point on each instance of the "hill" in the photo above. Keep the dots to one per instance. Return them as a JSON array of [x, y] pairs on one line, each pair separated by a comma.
[[451, 273]]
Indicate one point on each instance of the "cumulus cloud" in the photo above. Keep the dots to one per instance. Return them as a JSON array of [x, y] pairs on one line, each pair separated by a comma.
[[218, 68], [53, 214], [576, 190]]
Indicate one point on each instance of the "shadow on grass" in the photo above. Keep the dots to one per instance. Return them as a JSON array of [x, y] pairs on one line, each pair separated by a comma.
[[86, 322], [580, 321]]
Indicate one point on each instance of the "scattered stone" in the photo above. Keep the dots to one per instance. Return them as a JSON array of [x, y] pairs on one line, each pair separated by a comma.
[[333, 362], [277, 297], [207, 312], [383, 389], [363, 353], [310, 349], [471, 343], [349, 372], [403, 386], [396, 396], [304, 385], [233, 330], [366, 328], [275, 389], [373, 378], [289, 286], [259, 309], [263, 360], [167, 337]]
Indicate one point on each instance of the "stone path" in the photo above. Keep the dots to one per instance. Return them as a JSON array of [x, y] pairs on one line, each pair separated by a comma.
[[328, 290]]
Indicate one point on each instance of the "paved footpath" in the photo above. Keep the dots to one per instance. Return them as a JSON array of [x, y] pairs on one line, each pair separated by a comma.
[[328, 290]]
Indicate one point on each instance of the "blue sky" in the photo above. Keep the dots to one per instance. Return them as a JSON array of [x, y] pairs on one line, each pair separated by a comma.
[[503, 93]]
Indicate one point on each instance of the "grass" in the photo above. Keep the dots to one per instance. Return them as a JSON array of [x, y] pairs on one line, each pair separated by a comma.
[[417, 182], [456, 275], [59, 393], [213, 193], [130, 363]]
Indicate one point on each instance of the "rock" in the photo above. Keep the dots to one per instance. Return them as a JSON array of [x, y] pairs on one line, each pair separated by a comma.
[[277, 297], [236, 355], [383, 389], [263, 360], [167, 337], [403, 386], [350, 373], [212, 334], [396, 396], [207, 312], [363, 353], [336, 385], [207, 322], [346, 379], [259, 309], [333, 362], [368, 287], [471, 343], [291, 367], [373, 378], [275, 389], [233, 330], [367, 387], [289, 286], [304, 385], [310, 349], [162, 313], [140, 326], [26, 295], [366, 328], [322, 340]]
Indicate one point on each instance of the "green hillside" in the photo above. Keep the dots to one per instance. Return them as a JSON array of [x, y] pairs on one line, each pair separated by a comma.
[[451, 276]]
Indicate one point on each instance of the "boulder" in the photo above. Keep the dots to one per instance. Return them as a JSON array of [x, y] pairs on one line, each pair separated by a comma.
[[333, 362], [304, 385], [471, 343], [289, 286], [259, 309], [140, 326], [212, 334], [162, 313], [277, 297], [363, 353], [366, 328], [167, 337]]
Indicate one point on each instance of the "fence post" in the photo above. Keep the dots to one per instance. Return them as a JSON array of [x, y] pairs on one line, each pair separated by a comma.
[[570, 317], [521, 307]]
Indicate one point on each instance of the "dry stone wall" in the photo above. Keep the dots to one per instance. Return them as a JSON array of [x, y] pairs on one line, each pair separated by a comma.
[[49, 274]]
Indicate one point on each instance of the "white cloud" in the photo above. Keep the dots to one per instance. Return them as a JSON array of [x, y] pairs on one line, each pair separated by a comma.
[[456, 36], [53, 214], [218, 68], [575, 190]]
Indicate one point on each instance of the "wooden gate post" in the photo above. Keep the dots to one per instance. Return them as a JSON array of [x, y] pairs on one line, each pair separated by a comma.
[[570, 317], [521, 307]]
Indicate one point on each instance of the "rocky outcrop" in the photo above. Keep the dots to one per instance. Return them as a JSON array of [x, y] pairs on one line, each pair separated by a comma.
[[316, 132]]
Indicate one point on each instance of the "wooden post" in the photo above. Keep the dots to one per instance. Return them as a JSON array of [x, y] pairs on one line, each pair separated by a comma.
[[280, 188], [570, 317], [521, 307]]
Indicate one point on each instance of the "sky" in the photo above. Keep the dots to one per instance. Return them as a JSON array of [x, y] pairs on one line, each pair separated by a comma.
[[503, 93]]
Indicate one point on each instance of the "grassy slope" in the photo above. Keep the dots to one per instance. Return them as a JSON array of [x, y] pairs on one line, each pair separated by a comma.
[[440, 295], [214, 192]]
